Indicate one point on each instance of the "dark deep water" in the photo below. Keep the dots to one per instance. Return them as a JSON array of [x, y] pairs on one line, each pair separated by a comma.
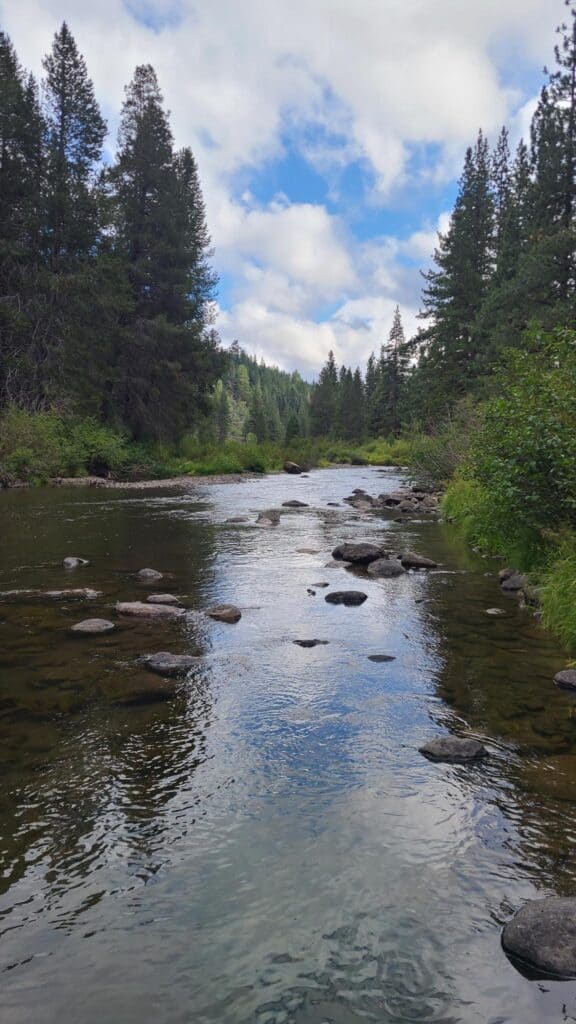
[[269, 846]]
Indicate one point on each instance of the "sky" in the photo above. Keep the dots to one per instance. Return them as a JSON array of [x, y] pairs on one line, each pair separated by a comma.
[[329, 134]]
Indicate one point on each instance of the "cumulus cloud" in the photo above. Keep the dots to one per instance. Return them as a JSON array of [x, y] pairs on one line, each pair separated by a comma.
[[346, 83]]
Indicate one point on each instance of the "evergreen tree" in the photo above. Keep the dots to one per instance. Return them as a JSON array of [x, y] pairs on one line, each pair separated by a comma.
[[324, 400]]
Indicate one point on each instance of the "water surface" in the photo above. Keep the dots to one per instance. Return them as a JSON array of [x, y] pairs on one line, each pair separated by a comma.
[[268, 846]]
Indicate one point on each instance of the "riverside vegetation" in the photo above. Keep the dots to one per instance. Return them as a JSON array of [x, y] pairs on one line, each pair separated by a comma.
[[109, 362]]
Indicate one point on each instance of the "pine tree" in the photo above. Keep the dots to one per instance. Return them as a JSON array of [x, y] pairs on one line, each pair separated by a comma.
[[324, 400]]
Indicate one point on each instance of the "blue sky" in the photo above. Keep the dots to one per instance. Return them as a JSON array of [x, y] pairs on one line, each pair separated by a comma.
[[330, 135]]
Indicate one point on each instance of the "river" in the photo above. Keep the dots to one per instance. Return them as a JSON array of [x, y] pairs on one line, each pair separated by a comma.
[[268, 846]]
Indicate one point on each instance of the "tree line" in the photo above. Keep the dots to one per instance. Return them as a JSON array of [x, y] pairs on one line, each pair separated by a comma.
[[106, 285]]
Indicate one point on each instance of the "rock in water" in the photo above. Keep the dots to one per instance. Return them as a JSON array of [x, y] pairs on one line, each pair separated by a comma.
[[294, 504], [78, 594], [238, 519], [566, 679], [92, 627], [166, 664], [412, 561], [348, 597], [456, 749], [292, 467], [513, 583], [269, 518], [149, 575], [74, 563], [224, 613], [358, 554], [141, 609], [163, 599], [386, 568], [542, 937], [311, 643], [381, 658]]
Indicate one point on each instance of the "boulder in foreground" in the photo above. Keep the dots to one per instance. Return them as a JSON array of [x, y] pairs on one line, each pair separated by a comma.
[[542, 938], [358, 554], [224, 613], [350, 598], [454, 749]]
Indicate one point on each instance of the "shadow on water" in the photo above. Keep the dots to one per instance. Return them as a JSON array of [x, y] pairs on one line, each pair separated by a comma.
[[267, 845]]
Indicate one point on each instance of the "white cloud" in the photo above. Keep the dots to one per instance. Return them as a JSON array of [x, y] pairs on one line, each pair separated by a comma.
[[348, 81]]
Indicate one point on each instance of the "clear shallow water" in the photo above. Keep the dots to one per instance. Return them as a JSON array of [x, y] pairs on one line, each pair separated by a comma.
[[269, 846]]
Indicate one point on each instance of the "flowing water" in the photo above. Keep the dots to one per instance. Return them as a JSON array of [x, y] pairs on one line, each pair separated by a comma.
[[268, 846]]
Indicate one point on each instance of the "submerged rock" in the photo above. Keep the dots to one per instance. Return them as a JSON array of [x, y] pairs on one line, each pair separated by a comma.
[[224, 613], [144, 610], [72, 562], [292, 467], [307, 551], [321, 586], [92, 627], [381, 658], [386, 568], [358, 554], [311, 643], [74, 594], [542, 937], [412, 561], [346, 597], [456, 749], [167, 664], [145, 690], [163, 599], [149, 575], [294, 503], [238, 519], [566, 679]]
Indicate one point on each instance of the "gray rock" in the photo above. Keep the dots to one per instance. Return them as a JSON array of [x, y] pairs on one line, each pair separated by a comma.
[[412, 561], [74, 594], [496, 612], [320, 585], [163, 599], [144, 610], [224, 613], [294, 504], [566, 679], [349, 598], [505, 574], [358, 554], [307, 551], [455, 749], [92, 627], [74, 563], [172, 665], [512, 584], [292, 467], [381, 658], [386, 568], [333, 504], [310, 643], [542, 937], [149, 575], [238, 519], [269, 518]]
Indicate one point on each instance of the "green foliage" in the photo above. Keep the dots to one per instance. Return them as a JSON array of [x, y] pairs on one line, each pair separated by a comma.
[[558, 594]]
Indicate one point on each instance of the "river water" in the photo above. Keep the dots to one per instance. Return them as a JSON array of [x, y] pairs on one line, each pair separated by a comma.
[[268, 846]]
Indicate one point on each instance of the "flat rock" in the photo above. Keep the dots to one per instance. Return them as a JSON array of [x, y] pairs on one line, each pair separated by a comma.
[[144, 610], [75, 594], [386, 568], [358, 554], [163, 599], [566, 679], [72, 562], [410, 560], [294, 503], [381, 658], [224, 613], [310, 643], [542, 937], [349, 598], [149, 575], [164, 663], [92, 627], [456, 749]]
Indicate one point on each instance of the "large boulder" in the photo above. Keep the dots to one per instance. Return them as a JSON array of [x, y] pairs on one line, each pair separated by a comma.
[[72, 562], [224, 613], [293, 468], [149, 575], [349, 598], [92, 627], [566, 679], [455, 749], [542, 937], [164, 663], [386, 568], [358, 554], [145, 610], [410, 560]]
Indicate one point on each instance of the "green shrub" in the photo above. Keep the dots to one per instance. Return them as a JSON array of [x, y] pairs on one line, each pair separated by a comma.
[[558, 594]]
